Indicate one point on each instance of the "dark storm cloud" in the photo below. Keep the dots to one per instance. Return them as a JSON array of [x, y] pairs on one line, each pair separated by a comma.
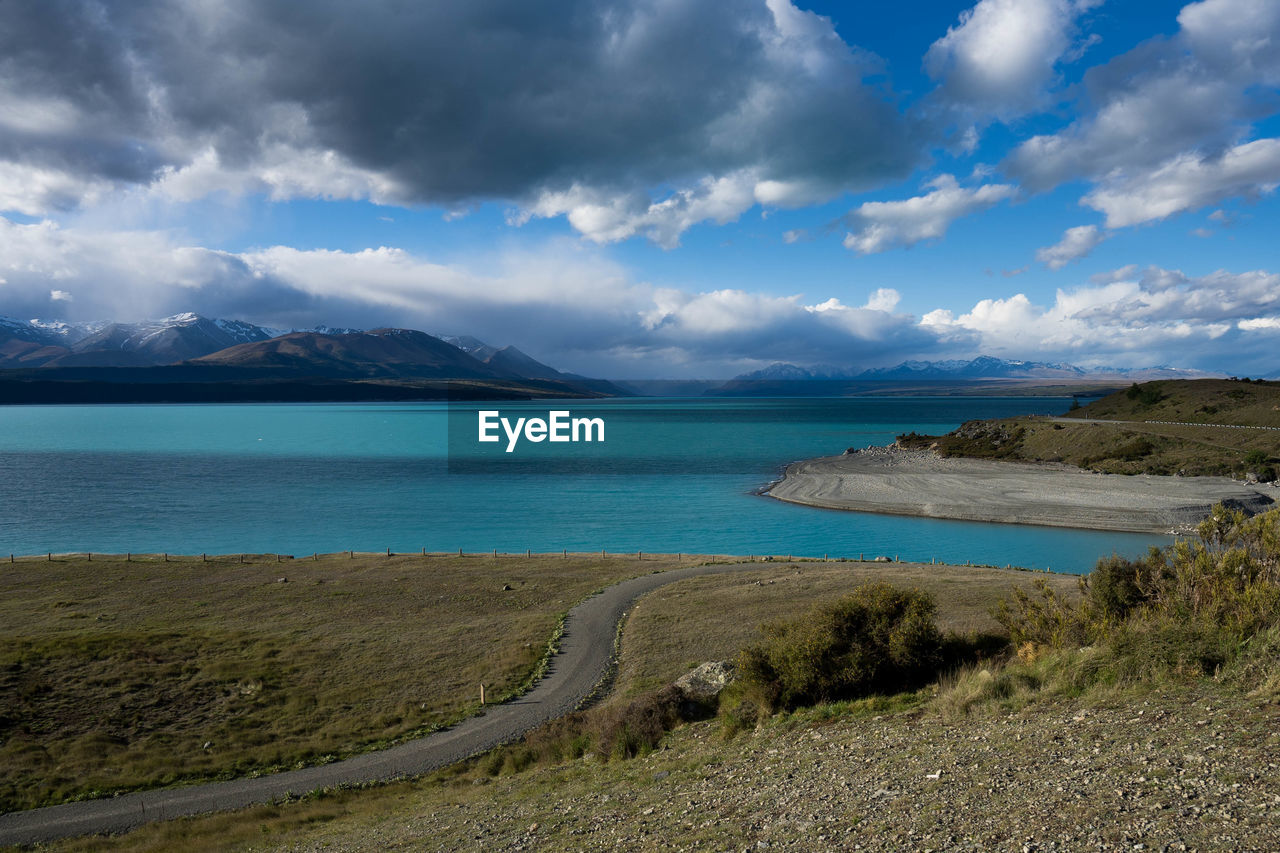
[[456, 101]]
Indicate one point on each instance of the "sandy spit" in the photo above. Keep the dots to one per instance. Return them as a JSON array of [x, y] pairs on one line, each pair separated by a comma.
[[918, 482]]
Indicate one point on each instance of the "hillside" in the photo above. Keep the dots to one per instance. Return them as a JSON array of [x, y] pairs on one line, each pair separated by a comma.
[[1187, 427], [382, 353], [1208, 401]]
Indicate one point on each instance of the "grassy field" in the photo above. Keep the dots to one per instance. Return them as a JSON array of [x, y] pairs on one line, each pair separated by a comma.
[[667, 633], [118, 675], [711, 618], [1183, 426]]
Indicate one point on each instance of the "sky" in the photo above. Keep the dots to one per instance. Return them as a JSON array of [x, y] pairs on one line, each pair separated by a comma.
[[659, 188]]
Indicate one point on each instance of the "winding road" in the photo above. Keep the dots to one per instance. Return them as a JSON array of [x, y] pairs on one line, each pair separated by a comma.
[[583, 662]]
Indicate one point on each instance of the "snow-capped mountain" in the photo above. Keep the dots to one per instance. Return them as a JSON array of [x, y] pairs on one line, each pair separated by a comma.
[[982, 367], [38, 343]]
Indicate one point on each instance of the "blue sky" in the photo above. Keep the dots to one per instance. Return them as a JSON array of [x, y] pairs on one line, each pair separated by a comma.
[[661, 188]]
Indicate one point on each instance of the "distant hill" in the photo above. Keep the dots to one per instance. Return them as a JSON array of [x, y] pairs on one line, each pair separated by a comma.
[[1188, 427], [380, 353], [506, 358], [1201, 401], [515, 362], [982, 367]]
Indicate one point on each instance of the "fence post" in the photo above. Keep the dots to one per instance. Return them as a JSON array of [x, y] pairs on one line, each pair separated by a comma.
[[481, 694]]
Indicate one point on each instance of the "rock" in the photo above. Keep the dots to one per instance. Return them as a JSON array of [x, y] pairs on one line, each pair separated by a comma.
[[704, 683], [282, 580]]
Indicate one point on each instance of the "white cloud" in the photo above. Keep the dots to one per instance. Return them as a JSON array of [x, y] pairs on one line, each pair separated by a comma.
[[1161, 316], [37, 190], [1001, 56], [565, 302], [882, 225], [1187, 182], [1167, 101], [61, 296], [1075, 243], [609, 217]]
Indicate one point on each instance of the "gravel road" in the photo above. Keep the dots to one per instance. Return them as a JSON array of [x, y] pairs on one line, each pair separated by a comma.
[[584, 660]]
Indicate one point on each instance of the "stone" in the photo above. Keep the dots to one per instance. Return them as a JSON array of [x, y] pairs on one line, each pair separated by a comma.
[[704, 683]]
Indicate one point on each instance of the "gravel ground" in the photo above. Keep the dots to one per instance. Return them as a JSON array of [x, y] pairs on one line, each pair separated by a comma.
[[1190, 770], [919, 482]]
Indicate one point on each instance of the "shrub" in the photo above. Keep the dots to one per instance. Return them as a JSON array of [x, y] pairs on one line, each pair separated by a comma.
[[1147, 395], [877, 639], [1184, 611], [638, 727]]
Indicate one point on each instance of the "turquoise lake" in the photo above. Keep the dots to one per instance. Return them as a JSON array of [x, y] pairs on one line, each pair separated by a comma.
[[672, 475]]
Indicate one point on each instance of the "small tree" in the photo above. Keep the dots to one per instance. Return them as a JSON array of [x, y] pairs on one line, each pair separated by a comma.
[[876, 639]]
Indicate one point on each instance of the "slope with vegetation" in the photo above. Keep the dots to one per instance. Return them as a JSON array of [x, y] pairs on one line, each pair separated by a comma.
[[1196, 427], [1141, 711]]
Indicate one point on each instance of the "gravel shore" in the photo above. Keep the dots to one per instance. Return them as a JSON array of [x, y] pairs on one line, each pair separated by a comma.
[[919, 482]]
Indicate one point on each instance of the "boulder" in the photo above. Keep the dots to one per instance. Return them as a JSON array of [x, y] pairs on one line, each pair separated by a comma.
[[704, 683]]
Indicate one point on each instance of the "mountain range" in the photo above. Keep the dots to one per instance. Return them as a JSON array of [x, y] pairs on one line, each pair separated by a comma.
[[982, 367], [189, 348]]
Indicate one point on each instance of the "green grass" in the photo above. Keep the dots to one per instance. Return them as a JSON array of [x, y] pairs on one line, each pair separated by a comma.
[[119, 675]]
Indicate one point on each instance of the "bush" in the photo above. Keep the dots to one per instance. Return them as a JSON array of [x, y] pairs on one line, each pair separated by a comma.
[[1147, 395], [1188, 610], [877, 639], [639, 726]]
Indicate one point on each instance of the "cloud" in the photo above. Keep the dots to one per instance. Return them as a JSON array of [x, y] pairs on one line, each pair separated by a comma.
[[882, 225], [565, 303], [1133, 318], [1000, 58], [1187, 182], [1166, 99], [1075, 243], [568, 304], [629, 118]]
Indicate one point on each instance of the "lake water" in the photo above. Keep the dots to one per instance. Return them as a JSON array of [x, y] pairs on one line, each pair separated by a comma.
[[672, 475]]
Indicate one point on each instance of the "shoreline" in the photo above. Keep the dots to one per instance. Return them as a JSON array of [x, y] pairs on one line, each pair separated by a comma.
[[891, 481]]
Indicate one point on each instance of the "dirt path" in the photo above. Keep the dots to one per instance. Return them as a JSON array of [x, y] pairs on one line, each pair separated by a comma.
[[584, 660]]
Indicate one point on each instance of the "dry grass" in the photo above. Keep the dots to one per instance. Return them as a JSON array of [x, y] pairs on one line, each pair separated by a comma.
[[668, 632], [118, 675], [712, 618], [1137, 446]]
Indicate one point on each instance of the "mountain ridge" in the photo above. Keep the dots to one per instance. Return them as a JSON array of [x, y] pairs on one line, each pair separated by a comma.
[[980, 367]]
